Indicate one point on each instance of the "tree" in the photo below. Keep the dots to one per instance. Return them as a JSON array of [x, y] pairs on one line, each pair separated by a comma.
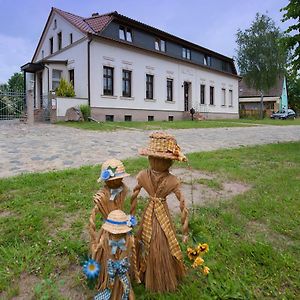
[[293, 83], [292, 40], [16, 82], [260, 57]]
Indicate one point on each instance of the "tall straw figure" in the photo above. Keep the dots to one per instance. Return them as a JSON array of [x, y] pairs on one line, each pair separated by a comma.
[[159, 257]]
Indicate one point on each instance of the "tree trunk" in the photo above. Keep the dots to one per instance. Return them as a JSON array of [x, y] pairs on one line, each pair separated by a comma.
[[261, 105]]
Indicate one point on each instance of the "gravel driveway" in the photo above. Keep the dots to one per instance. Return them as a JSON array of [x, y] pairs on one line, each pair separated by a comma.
[[44, 147]]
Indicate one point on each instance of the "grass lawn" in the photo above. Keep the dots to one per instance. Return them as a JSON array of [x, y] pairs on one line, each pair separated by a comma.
[[253, 238], [268, 121], [154, 125]]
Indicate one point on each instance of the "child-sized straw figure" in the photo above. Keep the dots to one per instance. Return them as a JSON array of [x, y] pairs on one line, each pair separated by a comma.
[[159, 257], [116, 256], [109, 198]]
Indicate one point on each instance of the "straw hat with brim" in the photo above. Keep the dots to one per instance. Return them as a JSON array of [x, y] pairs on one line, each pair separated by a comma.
[[163, 145], [112, 169], [117, 222]]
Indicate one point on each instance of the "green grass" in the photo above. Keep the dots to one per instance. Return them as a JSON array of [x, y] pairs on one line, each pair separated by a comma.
[[253, 238], [268, 121], [154, 125]]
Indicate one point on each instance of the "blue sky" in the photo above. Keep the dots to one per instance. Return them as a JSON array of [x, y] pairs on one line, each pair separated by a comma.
[[212, 24]]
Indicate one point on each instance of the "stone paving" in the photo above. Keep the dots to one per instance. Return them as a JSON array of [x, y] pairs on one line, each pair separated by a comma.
[[44, 147]]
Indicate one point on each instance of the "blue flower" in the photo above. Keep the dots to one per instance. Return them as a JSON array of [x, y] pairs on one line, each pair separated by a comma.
[[132, 221], [105, 175], [91, 269]]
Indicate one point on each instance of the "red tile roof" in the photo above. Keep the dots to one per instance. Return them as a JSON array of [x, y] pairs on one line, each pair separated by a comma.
[[86, 25]]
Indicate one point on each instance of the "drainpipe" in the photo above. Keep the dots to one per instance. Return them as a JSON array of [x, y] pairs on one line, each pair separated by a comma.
[[48, 71], [24, 88], [89, 68]]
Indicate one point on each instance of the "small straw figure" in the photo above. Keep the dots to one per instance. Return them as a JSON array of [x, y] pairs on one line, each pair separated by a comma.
[[117, 258], [109, 198], [159, 257]]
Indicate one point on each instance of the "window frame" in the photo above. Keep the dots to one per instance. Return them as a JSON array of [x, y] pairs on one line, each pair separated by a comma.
[[202, 94], [158, 44], [55, 79], [186, 53], [223, 97], [126, 82], [230, 98], [59, 41], [72, 77], [71, 38], [211, 95], [51, 45], [170, 89], [126, 34], [150, 86], [106, 90]]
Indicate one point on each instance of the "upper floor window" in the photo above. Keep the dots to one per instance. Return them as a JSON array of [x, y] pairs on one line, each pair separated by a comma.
[[43, 54], [54, 24], [186, 53], [51, 45], [126, 83], [71, 76], [207, 60], [224, 66], [71, 38], [202, 94], [169, 89], [125, 34], [59, 40], [149, 86], [223, 97], [160, 45], [108, 81]]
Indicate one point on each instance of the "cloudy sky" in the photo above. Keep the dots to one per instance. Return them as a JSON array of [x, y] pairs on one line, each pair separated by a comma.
[[212, 24]]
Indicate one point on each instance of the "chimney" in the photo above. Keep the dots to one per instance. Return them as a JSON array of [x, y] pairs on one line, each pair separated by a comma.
[[95, 14]]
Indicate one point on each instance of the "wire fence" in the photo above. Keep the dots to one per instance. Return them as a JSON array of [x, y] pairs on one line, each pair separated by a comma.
[[12, 104]]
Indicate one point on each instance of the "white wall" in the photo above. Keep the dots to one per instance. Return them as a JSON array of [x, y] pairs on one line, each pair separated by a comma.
[[62, 26], [141, 63], [62, 104]]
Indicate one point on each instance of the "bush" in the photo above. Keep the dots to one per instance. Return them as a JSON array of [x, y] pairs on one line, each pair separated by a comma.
[[86, 111], [65, 89]]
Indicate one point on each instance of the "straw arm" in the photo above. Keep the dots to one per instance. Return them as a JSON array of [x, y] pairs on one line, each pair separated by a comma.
[[92, 228], [133, 200], [184, 214]]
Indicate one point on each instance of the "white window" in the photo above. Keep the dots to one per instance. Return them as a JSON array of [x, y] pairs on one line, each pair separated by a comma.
[[230, 98], [186, 53], [125, 34], [223, 97], [160, 45], [56, 76]]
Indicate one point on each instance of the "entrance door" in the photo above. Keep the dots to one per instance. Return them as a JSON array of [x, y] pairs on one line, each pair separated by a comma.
[[186, 90]]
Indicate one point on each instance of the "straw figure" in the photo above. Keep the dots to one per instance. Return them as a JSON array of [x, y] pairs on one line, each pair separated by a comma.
[[117, 258], [109, 198], [159, 257]]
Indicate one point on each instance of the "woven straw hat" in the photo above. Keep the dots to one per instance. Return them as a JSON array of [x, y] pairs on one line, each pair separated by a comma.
[[117, 222], [112, 169], [163, 145]]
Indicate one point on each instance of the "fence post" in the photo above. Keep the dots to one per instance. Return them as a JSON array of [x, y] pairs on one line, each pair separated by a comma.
[[30, 108]]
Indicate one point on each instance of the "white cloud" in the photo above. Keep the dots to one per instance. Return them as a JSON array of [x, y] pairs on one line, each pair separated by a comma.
[[14, 52]]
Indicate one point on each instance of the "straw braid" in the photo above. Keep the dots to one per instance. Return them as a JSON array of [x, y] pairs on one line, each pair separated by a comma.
[[92, 229], [133, 200], [184, 214], [133, 261]]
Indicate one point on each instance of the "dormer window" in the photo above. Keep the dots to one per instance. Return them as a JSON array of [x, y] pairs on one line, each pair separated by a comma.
[[186, 53], [59, 40], [125, 34], [207, 60], [160, 45]]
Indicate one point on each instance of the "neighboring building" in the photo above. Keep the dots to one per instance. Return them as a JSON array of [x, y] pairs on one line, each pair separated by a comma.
[[128, 70], [249, 99]]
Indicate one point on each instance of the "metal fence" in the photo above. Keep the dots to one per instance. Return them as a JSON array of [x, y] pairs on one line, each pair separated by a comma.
[[12, 104]]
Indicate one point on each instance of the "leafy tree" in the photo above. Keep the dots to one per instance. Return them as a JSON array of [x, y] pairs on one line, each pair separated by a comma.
[[293, 83], [260, 57], [292, 40], [16, 82]]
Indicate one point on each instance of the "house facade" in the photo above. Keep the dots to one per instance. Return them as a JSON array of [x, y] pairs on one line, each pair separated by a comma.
[[127, 70]]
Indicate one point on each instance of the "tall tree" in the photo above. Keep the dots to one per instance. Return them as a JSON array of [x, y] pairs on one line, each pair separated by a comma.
[[16, 82], [292, 40], [260, 57]]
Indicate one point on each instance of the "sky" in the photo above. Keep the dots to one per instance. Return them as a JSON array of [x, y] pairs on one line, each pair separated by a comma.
[[212, 24]]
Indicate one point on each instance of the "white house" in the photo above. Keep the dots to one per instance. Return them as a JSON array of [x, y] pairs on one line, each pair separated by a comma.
[[127, 70]]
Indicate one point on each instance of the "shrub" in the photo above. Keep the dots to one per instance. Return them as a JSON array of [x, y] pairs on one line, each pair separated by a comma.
[[65, 89], [86, 111]]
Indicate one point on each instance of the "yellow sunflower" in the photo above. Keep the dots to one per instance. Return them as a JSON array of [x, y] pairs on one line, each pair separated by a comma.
[[198, 262], [202, 248], [192, 253], [205, 270]]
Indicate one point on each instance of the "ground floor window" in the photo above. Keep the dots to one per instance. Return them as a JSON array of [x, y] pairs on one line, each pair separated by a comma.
[[109, 118], [71, 77], [149, 86], [171, 118], [150, 118], [223, 97], [230, 98], [56, 76], [169, 89], [108, 81], [202, 94], [211, 95], [126, 83]]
